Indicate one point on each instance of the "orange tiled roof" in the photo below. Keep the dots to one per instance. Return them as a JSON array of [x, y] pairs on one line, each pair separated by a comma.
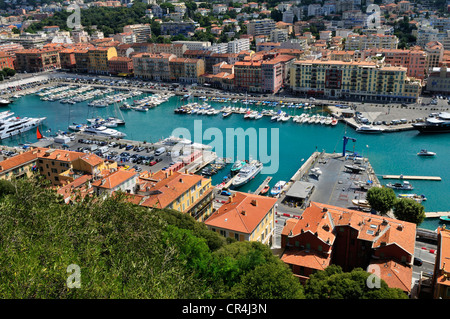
[[18, 160], [115, 178], [59, 155], [311, 259], [166, 188], [243, 213], [396, 275]]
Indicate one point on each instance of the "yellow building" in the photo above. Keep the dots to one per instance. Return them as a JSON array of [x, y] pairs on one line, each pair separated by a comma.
[[188, 193], [21, 165], [245, 217], [99, 59], [364, 80], [89, 164]]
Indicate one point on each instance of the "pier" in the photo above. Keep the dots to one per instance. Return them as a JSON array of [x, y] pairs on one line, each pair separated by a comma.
[[423, 178], [264, 184], [436, 214]]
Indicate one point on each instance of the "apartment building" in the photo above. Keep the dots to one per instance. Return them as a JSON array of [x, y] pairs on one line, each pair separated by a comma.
[[82, 62], [371, 41], [21, 165], [188, 193], [177, 49], [438, 81], [116, 180], [38, 60], [6, 60], [186, 70], [99, 58], [354, 79], [441, 274], [435, 53], [67, 58], [326, 235], [152, 66], [141, 32], [260, 27], [52, 162], [415, 59], [125, 37], [120, 65], [245, 217]]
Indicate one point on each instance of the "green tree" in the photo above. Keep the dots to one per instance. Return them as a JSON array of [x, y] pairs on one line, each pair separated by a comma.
[[6, 187], [268, 281], [333, 283], [409, 210], [381, 199]]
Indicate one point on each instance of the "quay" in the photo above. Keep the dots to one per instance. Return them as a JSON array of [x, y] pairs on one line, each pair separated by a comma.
[[264, 184], [423, 178], [436, 214]]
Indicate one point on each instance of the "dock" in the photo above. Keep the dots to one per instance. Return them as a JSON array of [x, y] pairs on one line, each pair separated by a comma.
[[436, 214], [412, 177], [264, 184]]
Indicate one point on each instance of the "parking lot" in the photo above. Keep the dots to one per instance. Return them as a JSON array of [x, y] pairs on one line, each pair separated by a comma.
[[140, 156]]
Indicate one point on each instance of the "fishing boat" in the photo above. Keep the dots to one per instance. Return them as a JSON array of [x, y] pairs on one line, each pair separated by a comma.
[[425, 152], [247, 173], [276, 190], [405, 185]]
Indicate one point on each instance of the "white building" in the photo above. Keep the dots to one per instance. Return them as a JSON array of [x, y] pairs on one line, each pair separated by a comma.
[[238, 45]]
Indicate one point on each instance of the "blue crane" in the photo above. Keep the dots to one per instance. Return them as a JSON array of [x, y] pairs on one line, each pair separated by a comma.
[[346, 138]]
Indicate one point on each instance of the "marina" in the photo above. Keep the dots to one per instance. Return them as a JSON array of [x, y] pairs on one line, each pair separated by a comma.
[[295, 142]]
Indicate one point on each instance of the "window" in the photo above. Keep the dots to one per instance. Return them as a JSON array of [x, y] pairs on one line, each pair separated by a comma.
[[236, 236], [223, 233]]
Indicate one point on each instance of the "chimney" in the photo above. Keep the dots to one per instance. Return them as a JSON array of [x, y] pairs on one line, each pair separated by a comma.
[[181, 180], [243, 212], [254, 202]]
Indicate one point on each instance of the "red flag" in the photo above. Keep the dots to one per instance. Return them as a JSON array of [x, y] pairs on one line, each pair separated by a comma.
[[38, 133]]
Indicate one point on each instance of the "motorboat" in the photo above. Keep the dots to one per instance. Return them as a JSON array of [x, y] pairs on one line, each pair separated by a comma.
[[226, 114], [276, 190], [444, 218], [369, 129], [417, 198], [405, 185], [4, 102], [355, 168], [248, 172], [363, 203], [425, 152], [265, 190], [77, 127], [316, 171], [101, 130], [237, 166]]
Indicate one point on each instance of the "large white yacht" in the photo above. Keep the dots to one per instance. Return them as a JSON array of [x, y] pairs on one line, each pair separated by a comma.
[[10, 125], [248, 172], [101, 130]]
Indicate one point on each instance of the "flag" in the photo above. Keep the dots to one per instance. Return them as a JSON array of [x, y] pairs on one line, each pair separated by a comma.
[[38, 133]]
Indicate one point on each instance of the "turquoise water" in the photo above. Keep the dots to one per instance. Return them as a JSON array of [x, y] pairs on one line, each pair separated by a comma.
[[393, 153]]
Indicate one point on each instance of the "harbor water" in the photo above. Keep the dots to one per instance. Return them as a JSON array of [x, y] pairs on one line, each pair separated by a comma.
[[388, 153]]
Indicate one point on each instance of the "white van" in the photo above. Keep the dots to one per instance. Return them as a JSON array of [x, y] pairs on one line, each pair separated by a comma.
[[103, 149], [160, 151]]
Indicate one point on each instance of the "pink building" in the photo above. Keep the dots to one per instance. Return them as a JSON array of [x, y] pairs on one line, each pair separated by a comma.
[[415, 60]]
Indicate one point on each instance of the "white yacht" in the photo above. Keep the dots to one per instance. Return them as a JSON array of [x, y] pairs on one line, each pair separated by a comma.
[[101, 130], [277, 188], [10, 125], [369, 129], [248, 172]]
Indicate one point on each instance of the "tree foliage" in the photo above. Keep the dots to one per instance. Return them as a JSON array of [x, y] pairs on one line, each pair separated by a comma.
[[409, 210], [381, 199], [123, 251], [333, 283]]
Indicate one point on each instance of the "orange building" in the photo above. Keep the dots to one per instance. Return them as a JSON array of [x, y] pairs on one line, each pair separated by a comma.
[[245, 217], [326, 235], [441, 275]]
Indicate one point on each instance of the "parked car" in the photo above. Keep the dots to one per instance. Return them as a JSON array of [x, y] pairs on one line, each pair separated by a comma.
[[417, 261]]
